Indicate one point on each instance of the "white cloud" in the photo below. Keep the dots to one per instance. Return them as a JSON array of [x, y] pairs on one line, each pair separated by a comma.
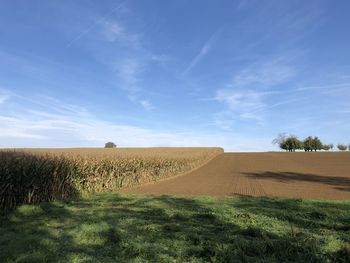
[[116, 32], [51, 128], [14, 127], [101, 20], [129, 72], [119, 38], [146, 104], [241, 104], [241, 101], [161, 58], [245, 95], [333, 87], [59, 107], [49, 132], [3, 98], [5, 95], [263, 74]]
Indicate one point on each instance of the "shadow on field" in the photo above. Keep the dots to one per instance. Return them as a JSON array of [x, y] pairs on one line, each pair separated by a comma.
[[342, 182], [27, 178], [110, 228]]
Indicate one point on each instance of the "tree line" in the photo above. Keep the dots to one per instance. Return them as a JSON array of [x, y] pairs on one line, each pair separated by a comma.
[[291, 143]]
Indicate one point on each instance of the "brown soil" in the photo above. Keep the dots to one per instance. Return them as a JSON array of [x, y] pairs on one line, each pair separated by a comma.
[[298, 175]]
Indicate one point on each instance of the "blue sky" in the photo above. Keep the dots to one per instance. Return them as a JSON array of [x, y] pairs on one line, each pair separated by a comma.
[[173, 73]]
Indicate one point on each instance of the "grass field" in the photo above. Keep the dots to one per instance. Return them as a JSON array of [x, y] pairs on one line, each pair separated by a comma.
[[124, 228]]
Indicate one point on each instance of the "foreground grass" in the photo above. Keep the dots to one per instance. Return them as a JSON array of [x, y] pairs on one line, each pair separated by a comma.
[[125, 228]]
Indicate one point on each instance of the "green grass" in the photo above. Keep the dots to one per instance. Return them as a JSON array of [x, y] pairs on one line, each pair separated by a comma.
[[125, 228]]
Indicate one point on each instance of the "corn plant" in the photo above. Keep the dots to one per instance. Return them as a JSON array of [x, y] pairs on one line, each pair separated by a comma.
[[36, 175]]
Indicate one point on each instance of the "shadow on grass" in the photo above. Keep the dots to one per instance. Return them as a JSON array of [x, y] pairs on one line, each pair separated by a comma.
[[342, 183], [114, 228], [300, 213]]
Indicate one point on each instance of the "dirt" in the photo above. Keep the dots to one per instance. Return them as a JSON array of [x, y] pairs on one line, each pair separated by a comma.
[[299, 175]]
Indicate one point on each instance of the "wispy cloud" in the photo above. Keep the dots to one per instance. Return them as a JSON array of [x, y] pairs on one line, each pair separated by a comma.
[[205, 49], [240, 101], [146, 104], [97, 22], [116, 32], [59, 124], [244, 96], [50, 122], [161, 58], [329, 87], [241, 105], [66, 131], [263, 74], [15, 127], [277, 24], [4, 97], [125, 45], [252, 105], [129, 73]]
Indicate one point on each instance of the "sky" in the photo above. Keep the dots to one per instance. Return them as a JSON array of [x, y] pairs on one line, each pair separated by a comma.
[[173, 73]]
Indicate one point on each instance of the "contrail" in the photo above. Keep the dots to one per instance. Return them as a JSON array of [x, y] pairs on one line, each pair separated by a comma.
[[205, 49], [96, 23]]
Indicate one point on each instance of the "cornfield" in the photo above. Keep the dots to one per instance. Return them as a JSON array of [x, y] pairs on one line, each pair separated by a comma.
[[36, 175]]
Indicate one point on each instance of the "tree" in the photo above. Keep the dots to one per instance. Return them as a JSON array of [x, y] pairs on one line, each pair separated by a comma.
[[326, 147], [293, 143], [284, 146], [110, 145], [316, 144], [280, 140], [300, 145], [288, 143], [312, 144], [342, 147], [308, 144], [331, 146]]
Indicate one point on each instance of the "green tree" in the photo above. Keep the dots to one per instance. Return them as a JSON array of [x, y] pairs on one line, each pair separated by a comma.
[[308, 144], [342, 147], [110, 145], [326, 147], [301, 145], [292, 143], [284, 146], [316, 144], [312, 144]]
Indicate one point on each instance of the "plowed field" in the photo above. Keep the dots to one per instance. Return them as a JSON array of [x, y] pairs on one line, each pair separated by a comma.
[[298, 175]]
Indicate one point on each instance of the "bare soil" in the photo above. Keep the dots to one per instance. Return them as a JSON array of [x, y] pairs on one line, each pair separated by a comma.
[[297, 175]]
